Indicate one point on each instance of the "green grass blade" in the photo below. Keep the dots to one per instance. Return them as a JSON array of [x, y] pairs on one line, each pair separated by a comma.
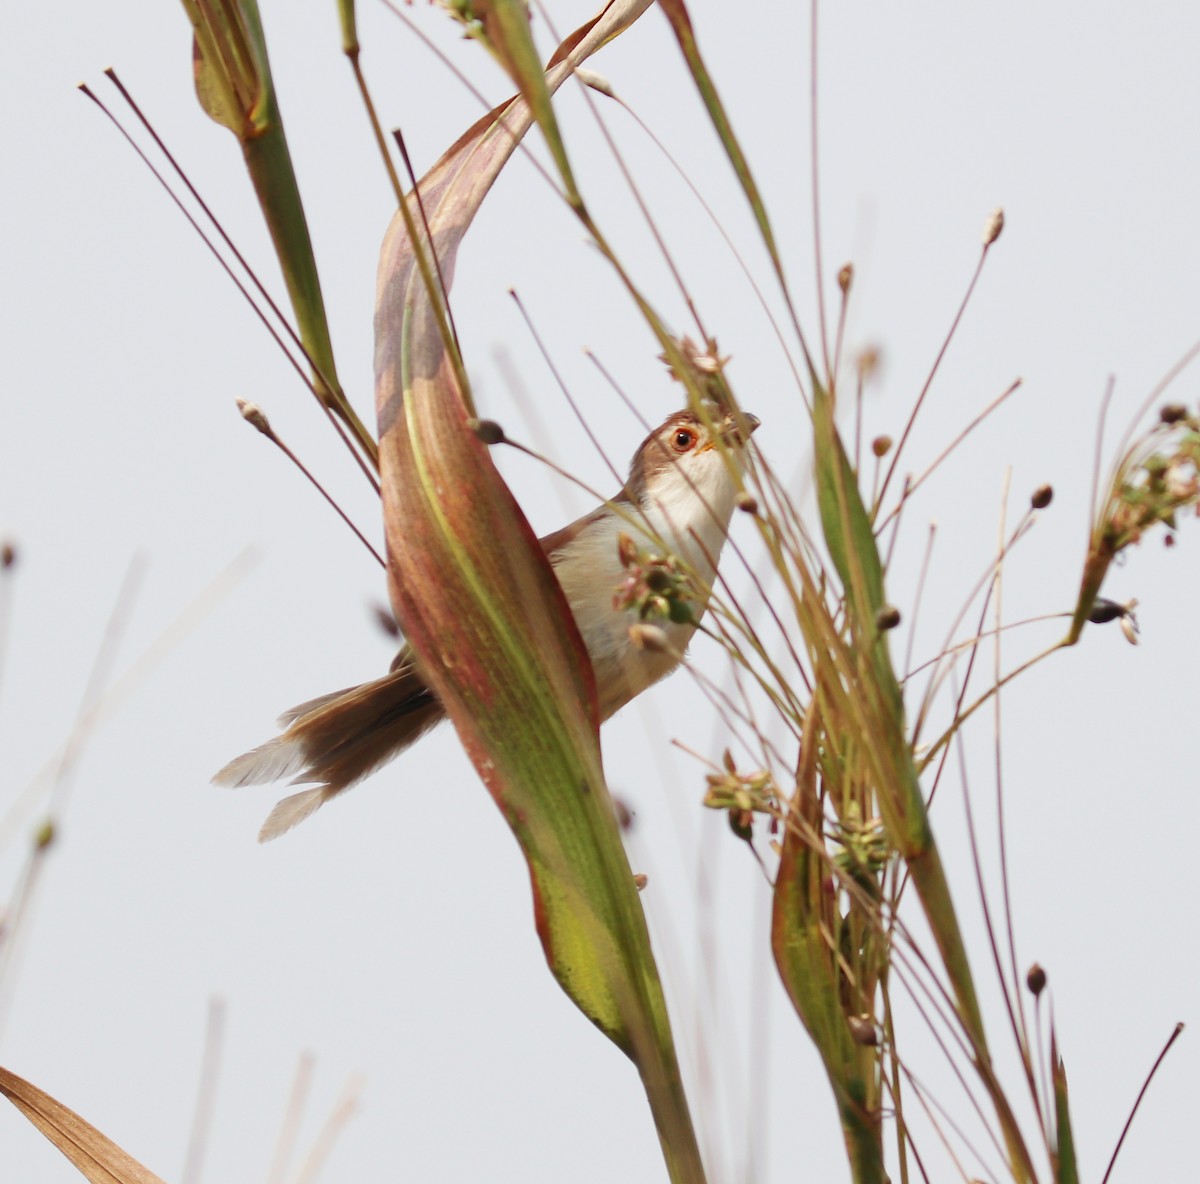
[[489, 622], [803, 918], [1065, 1168], [234, 86], [852, 546]]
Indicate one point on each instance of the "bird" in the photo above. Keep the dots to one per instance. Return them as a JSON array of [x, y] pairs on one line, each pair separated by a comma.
[[674, 508]]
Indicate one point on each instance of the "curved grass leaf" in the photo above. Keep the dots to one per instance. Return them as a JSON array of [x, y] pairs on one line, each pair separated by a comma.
[[879, 707], [803, 920], [491, 627], [99, 1159]]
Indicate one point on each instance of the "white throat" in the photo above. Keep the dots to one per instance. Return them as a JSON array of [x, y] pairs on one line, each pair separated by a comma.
[[685, 514]]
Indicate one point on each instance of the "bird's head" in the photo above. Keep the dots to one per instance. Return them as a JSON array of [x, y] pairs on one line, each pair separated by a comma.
[[688, 457]]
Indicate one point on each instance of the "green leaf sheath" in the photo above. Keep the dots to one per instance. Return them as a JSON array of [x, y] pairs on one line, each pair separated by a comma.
[[490, 625]]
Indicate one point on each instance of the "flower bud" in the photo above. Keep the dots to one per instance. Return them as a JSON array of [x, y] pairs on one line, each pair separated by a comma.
[[993, 226], [254, 415]]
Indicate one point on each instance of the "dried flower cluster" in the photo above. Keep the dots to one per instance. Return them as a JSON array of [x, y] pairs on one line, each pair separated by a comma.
[[742, 794], [1158, 477], [655, 586]]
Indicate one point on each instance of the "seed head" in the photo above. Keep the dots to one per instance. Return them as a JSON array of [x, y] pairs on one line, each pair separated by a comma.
[[8, 555], [846, 277], [1035, 980], [1042, 497], [746, 502], [624, 814], [254, 415], [993, 226], [596, 81], [863, 1030], [487, 431], [881, 446], [887, 618], [868, 363], [385, 620]]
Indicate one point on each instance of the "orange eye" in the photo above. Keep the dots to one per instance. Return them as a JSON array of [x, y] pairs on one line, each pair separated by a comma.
[[683, 439]]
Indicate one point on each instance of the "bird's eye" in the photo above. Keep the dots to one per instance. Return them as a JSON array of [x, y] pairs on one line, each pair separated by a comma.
[[683, 439]]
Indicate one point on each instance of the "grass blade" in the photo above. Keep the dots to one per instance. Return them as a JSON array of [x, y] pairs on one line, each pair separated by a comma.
[[96, 1156], [490, 624]]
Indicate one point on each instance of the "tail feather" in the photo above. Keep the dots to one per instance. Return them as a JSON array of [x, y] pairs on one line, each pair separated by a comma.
[[335, 741], [292, 810]]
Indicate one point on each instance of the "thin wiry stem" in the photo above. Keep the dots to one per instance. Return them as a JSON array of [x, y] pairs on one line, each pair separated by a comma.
[[926, 560], [643, 208], [985, 581], [738, 258], [1138, 1101], [443, 289], [293, 1114], [815, 164], [985, 906], [564, 389], [124, 686], [1012, 994], [914, 484], [63, 776], [929, 1103], [912, 418], [8, 560], [339, 1116], [206, 1093], [361, 437]]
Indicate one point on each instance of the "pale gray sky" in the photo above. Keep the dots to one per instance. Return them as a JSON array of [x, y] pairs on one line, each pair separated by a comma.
[[391, 936]]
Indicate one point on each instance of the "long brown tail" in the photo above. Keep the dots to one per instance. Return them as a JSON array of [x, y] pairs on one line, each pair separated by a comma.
[[335, 741]]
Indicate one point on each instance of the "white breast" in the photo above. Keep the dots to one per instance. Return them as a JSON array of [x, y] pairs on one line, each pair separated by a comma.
[[689, 518]]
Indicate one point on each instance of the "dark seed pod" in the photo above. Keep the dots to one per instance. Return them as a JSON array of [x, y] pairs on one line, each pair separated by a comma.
[[887, 618], [863, 1030], [486, 430], [624, 814], [1104, 611], [1035, 980], [741, 822], [1042, 497]]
